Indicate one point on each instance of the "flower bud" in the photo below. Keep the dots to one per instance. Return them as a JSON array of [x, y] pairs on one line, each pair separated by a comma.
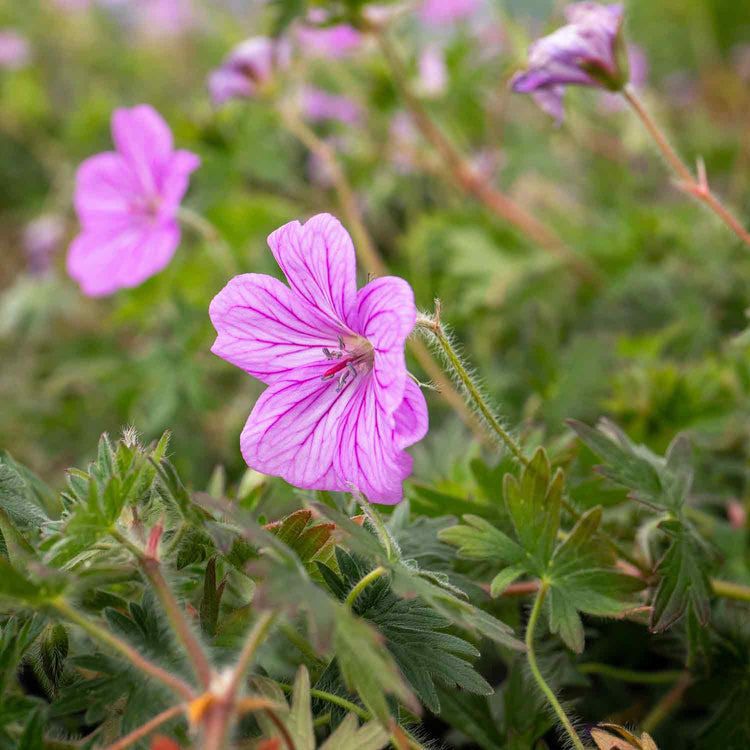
[[249, 68]]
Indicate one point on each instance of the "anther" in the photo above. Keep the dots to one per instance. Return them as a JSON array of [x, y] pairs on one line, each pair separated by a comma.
[[341, 344], [352, 369]]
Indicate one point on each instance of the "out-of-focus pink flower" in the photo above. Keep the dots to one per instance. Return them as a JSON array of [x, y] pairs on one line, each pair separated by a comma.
[[73, 4], [446, 12], [404, 138], [319, 105], [164, 18], [41, 238], [638, 66], [15, 51], [247, 69], [340, 407], [433, 75], [736, 514], [127, 202], [334, 42], [584, 53]]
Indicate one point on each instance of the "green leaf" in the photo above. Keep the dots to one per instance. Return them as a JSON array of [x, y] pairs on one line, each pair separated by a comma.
[[348, 736], [15, 586], [684, 579], [366, 669], [534, 507], [17, 500], [33, 733], [300, 720], [312, 543], [209, 607], [480, 540], [564, 619], [412, 631], [504, 578], [630, 465]]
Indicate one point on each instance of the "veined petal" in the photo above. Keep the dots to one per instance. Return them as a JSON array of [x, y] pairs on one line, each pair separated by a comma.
[[144, 139], [410, 419], [318, 261], [367, 457], [293, 430], [385, 316], [266, 329]]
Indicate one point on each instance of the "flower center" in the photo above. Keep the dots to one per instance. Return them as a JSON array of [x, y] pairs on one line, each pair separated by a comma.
[[353, 357]]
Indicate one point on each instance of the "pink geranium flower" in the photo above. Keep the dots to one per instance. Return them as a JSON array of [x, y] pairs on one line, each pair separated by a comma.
[[340, 407], [127, 202]]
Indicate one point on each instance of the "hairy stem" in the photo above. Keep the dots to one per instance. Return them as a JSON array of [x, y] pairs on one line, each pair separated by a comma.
[[146, 728], [698, 188], [103, 636], [470, 388], [335, 699], [368, 253], [213, 238], [152, 571], [255, 638], [469, 181], [363, 583], [531, 656]]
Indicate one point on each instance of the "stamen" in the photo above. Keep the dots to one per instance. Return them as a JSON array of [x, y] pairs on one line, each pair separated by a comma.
[[352, 369], [342, 381], [341, 344]]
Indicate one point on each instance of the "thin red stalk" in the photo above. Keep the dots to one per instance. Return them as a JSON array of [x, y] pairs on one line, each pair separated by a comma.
[[697, 188]]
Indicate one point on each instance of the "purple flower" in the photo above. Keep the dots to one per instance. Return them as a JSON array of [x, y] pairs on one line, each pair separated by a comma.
[[127, 204], [609, 101], [165, 18], [333, 42], [586, 52], [248, 68], [446, 12], [340, 407], [433, 76], [319, 105], [15, 52], [41, 238]]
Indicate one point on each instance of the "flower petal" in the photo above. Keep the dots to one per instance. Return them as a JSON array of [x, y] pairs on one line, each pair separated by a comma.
[[173, 180], [385, 316], [292, 431], [368, 458], [145, 142], [410, 419], [104, 262], [265, 329], [318, 261], [106, 191]]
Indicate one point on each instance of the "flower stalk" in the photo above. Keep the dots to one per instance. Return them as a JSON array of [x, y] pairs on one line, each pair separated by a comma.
[[531, 656], [469, 181], [696, 187], [139, 733], [144, 665], [471, 389], [152, 571], [363, 583]]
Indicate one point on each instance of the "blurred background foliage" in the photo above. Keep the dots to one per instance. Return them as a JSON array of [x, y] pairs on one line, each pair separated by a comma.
[[656, 343]]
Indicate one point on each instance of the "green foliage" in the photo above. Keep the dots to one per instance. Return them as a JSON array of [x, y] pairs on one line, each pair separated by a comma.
[[413, 633], [663, 484], [577, 570]]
